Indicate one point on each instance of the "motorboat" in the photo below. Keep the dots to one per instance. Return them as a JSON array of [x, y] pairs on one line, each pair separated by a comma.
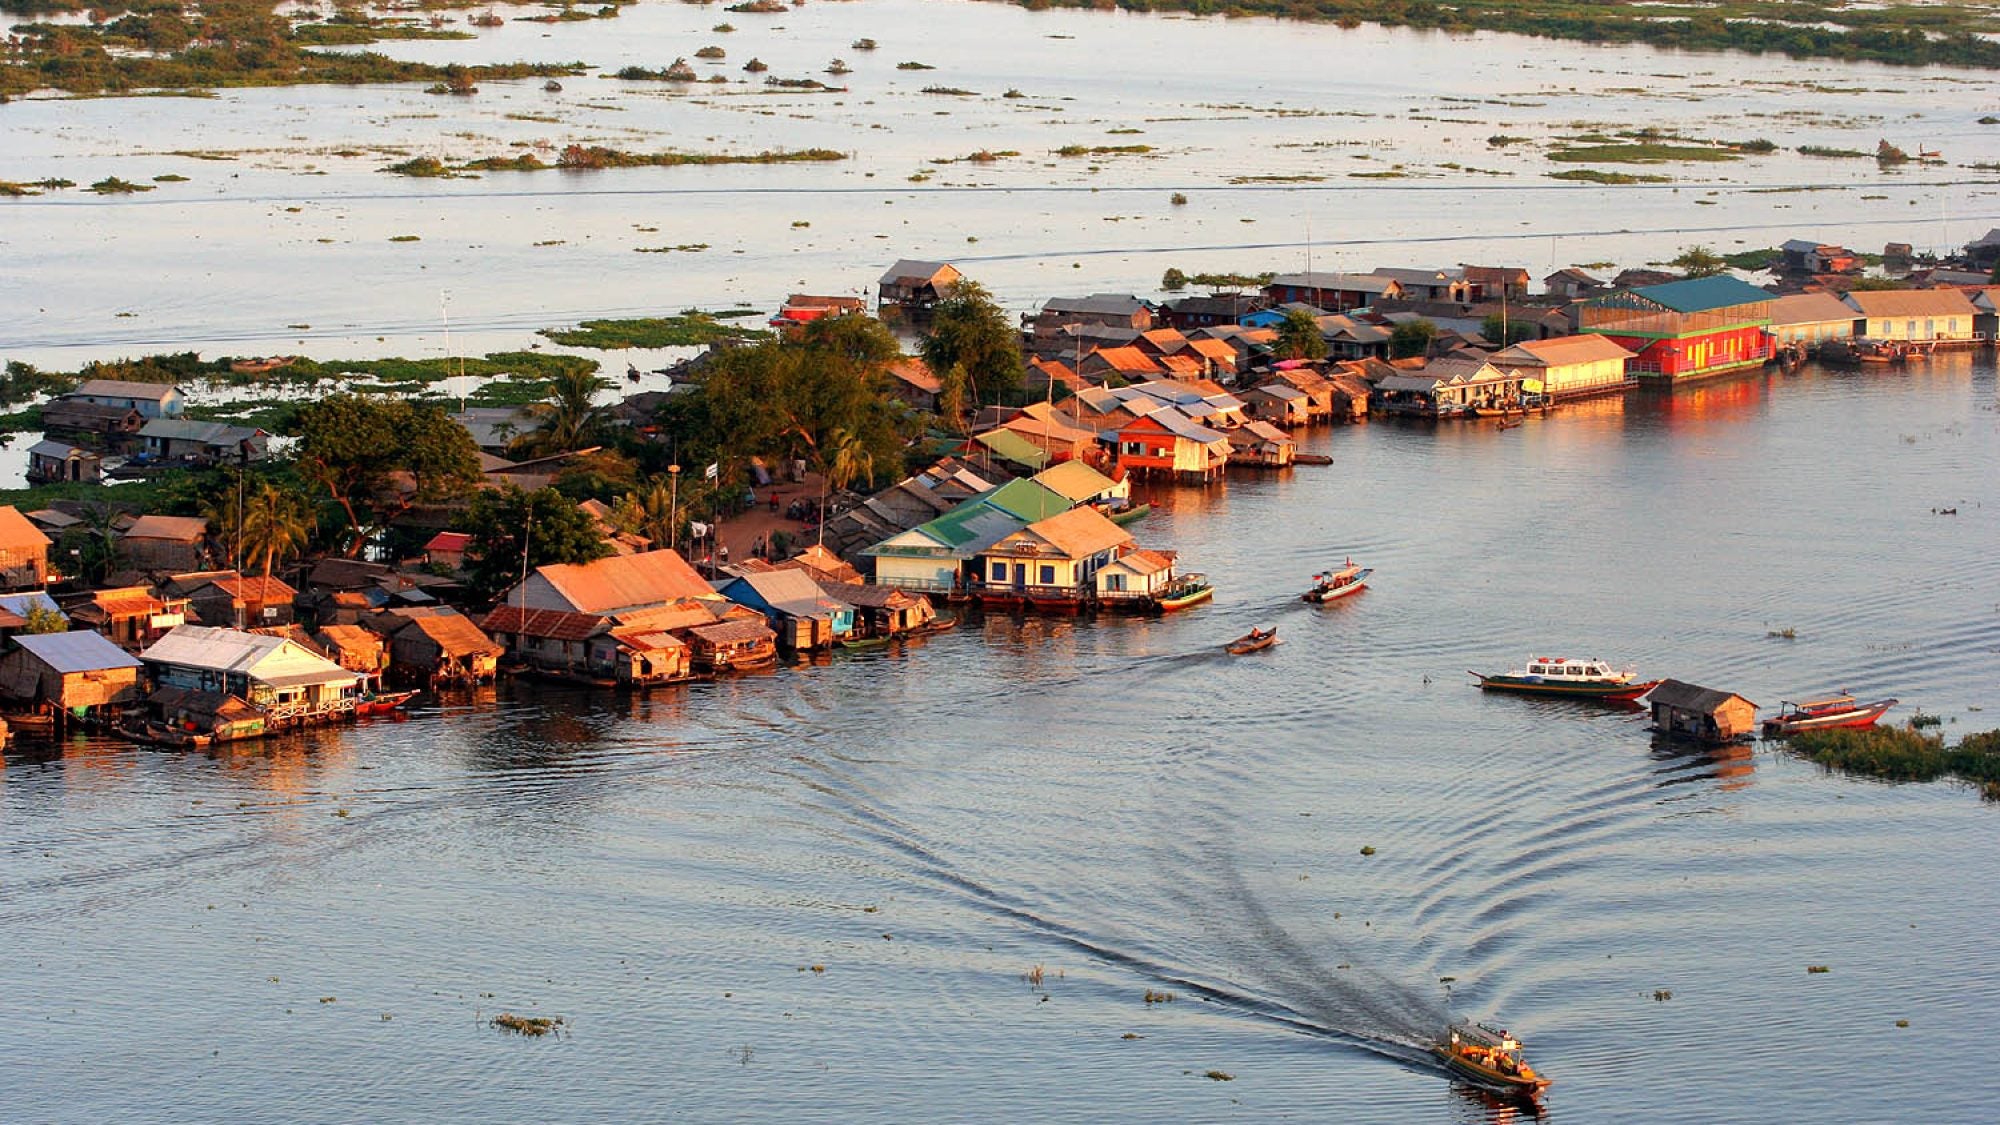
[[1574, 679], [1333, 585], [1256, 640], [1489, 1057], [1832, 713]]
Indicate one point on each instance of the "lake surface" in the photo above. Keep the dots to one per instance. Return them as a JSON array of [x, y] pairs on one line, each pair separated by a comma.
[[1295, 144], [819, 894]]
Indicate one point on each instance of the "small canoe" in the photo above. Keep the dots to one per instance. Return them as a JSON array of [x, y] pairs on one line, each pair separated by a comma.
[[1256, 640], [1133, 514], [384, 703], [863, 642]]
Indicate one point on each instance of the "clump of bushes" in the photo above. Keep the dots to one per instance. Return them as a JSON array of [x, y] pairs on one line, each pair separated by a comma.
[[1895, 754]]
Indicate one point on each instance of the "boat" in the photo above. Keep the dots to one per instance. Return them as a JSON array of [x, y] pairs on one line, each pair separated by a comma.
[[1333, 585], [942, 623], [1832, 713], [852, 643], [1489, 1057], [382, 703], [1256, 640], [1574, 679], [1132, 514], [1189, 589]]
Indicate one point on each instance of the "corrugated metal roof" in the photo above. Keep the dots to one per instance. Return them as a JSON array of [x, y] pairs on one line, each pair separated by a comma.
[[623, 582], [1013, 447], [185, 429], [265, 658], [180, 529], [1074, 481], [16, 531], [1911, 302], [1078, 533], [78, 651], [120, 388], [20, 604], [1699, 294]]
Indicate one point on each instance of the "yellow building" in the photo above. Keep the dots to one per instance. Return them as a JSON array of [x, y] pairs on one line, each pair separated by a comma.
[[1567, 366], [1940, 315]]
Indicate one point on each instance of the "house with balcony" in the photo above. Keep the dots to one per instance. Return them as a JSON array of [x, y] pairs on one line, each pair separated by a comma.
[[1685, 330], [1050, 564], [281, 679], [1567, 366], [1938, 317], [1168, 443]]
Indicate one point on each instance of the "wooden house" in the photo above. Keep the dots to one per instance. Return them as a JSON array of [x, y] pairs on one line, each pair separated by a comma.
[[911, 289], [1349, 338], [1803, 255], [1567, 366], [881, 611], [1349, 395], [801, 309], [165, 543], [939, 555], [1571, 284], [589, 647], [1169, 443], [1051, 563], [436, 648], [446, 550], [1688, 711], [1986, 313], [226, 598], [187, 442], [24, 552], [1189, 313], [354, 648], [1123, 364], [1427, 285], [79, 673], [279, 677], [1112, 310], [912, 380], [1983, 253], [1933, 316], [148, 400], [804, 618], [131, 616], [1491, 283], [1260, 445], [1080, 484], [51, 461], [1136, 579], [1279, 404], [100, 427], [1331, 292], [1045, 375], [1808, 319], [735, 644], [1685, 330]]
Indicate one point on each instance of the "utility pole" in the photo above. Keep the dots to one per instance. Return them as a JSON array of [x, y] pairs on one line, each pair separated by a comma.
[[674, 504]]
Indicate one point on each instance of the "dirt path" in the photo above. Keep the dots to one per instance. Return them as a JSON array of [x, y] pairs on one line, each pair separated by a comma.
[[740, 534]]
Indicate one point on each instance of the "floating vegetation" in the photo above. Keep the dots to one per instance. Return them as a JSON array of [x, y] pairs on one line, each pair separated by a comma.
[[1835, 153], [1153, 997], [677, 71], [1599, 176], [1786, 634], [758, 7], [692, 328], [112, 185], [405, 238], [951, 91], [796, 83], [1502, 140], [1640, 152], [1221, 1076], [1103, 150], [756, 66], [684, 248], [1920, 720], [1905, 755], [1367, 849], [1179, 199], [1818, 969], [862, 45], [914, 66], [711, 52], [1662, 995], [531, 1026]]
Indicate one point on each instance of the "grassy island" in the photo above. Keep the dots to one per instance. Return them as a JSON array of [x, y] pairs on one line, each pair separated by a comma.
[[1895, 32], [1896, 754], [136, 46]]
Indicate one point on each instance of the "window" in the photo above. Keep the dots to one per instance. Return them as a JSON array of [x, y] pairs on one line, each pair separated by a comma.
[[999, 572], [1048, 576]]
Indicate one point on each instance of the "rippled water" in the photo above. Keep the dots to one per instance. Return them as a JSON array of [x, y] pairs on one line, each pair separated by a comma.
[[313, 930]]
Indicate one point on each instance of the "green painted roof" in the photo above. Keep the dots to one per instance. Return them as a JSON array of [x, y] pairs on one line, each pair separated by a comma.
[[1699, 294], [1014, 447], [1026, 499]]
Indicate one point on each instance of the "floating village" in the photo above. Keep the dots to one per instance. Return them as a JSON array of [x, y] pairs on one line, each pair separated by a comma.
[[246, 616]]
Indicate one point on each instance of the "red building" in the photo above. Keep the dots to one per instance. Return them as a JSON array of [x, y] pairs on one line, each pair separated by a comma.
[[1685, 329]]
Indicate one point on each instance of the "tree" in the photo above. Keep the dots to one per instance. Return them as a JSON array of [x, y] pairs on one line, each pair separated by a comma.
[[861, 340], [276, 525], [568, 417], [785, 401], [1495, 327], [952, 399], [1174, 280], [95, 542], [551, 528], [1699, 261], [649, 513], [42, 619], [377, 458], [1299, 337], [968, 330], [1411, 337], [848, 461]]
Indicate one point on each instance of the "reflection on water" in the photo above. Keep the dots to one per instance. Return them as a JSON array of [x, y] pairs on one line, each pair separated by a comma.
[[1117, 803]]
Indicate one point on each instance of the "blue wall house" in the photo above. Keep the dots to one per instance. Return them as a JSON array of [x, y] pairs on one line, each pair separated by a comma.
[[801, 613]]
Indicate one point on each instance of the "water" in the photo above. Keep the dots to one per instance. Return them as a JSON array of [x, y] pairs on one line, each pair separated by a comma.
[[285, 243], [206, 937]]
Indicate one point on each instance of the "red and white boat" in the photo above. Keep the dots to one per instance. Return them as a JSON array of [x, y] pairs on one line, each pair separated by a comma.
[[1332, 585], [1831, 713]]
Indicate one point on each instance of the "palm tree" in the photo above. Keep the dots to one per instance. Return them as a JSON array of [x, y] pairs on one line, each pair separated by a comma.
[[567, 416], [848, 460], [651, 513], [276, 525], [1299, 337]]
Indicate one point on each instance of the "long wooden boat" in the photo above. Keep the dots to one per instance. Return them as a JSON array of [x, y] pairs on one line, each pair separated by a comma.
[[1832, 713], [852, 643], [1489, 1057], [1256, 640], [1191, 589], [1333, 585], [382, 703], [1570, 679], [1133, 514]]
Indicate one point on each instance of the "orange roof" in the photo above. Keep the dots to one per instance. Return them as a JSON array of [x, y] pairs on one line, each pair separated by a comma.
[[551, 623], [1215, 351], [1147, 562], [1077, 533], [1048, 429], [913, 370], [1168, 340], [1180, 365], [626, 581], [127, 601], [182, 529], [448, 541], [669, 618], [254, 589], [16, 531], [1126, 359], [454, 634], [1562, 351]]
